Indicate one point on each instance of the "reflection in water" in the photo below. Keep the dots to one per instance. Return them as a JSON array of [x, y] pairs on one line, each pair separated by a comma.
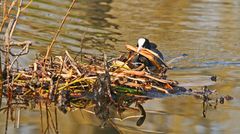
[[207, 30], [40, 21], [95, 13]]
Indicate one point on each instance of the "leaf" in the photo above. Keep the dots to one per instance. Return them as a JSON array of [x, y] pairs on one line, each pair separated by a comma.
[[120, 64], [127, 90]]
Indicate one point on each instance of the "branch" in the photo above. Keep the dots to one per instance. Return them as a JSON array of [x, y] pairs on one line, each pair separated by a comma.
[[59, 30]]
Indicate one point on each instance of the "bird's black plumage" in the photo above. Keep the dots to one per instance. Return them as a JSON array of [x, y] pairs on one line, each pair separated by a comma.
[[151, 46], [145, 43]]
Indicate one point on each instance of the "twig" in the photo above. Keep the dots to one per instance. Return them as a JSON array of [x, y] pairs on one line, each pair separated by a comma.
[[21, 44], [161, 89], [176, 59], [128, 117], [7, 117], [55, 94], [59, 30], [29, 3], [157, 79], [56, 120], [7, 39], [24, 51], [47, 116], [18, 117], [73, 63], [81, 46], [7, 69], [5, 13], [16, 18], [8, 34], [41, 116], [1, 84], [53, 125], [108, 79]]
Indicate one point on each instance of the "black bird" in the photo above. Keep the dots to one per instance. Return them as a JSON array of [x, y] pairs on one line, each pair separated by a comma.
[[145, 43]]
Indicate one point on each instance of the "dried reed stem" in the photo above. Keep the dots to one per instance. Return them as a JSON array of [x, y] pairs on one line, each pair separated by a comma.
[[7, 70], [52, 122], [6, 123], [18, 112], [4, 7], [1, 83], [47, 116], [8, 35], [81, 47], [56, 120], [6, 13], [16, 17], [59, 30], [55, 94], [7, 40], [28, 4], [41, 116]]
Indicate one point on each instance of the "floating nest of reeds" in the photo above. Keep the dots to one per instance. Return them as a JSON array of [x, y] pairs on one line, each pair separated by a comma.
[[95, 83]]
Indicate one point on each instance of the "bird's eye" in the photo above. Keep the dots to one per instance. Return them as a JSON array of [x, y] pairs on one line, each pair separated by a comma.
[[137, 45]]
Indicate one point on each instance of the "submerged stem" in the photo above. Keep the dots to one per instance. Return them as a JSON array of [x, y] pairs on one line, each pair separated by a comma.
[[47, 116], [41, 116]]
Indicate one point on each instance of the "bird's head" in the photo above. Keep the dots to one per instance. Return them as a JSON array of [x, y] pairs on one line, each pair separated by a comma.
[[142, 43]]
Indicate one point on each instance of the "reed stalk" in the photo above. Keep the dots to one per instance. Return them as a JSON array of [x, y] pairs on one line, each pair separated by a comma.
[[59, 29]]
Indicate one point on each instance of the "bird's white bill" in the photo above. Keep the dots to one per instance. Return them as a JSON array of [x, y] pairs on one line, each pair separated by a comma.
[[139, 48]]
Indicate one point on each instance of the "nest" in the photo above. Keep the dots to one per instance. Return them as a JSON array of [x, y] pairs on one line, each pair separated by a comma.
[[99, 84]]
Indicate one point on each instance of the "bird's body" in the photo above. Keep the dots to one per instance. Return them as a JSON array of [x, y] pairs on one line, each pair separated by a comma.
[[153, 47], [145, 43]]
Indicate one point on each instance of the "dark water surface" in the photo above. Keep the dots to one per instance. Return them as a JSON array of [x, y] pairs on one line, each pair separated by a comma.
[[207, 30]]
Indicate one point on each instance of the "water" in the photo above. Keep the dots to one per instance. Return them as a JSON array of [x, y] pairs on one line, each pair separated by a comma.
[[207, 30]]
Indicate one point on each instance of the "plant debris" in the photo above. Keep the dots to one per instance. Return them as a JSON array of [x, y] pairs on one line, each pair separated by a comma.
[[100, 83]]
